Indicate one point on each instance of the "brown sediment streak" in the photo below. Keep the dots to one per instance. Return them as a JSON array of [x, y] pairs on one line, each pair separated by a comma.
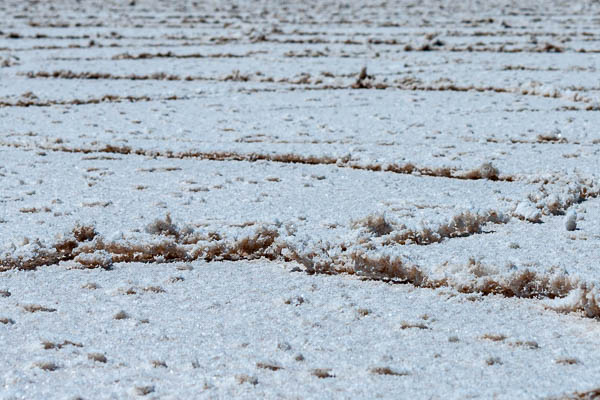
[[66, 74], [585, 395], [485, 171], [85, 248], [306, 82], [89, 250], [460, 225], [169, 54], [406, 46], [76, 102]]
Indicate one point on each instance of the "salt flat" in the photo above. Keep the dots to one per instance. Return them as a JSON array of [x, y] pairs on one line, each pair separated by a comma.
[[316, 200]]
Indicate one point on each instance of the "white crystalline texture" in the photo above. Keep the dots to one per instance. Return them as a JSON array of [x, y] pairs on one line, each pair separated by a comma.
[[385, 187]]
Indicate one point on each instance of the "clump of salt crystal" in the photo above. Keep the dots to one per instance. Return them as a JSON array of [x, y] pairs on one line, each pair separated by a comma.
[[528, 212], [163, 227], [571, 220], [488, 171]]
